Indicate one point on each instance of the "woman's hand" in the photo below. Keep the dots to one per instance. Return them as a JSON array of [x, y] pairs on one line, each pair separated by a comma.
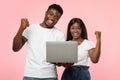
[[98, 35], [66, 65]]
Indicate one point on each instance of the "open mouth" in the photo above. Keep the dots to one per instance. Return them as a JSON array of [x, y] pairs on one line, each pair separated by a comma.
[[75, 34], [50, 21]]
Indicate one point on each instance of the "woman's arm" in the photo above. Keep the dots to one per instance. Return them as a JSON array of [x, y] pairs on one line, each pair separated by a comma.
[[95, 52]]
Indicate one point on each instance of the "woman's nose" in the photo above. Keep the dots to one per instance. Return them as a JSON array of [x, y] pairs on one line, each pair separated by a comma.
[[75, 30]]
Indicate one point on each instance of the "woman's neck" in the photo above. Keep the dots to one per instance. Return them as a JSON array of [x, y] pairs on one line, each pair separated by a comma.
[[79, 40]]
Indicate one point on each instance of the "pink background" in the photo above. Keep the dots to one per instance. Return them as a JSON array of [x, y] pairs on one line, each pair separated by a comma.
[[103, 15]]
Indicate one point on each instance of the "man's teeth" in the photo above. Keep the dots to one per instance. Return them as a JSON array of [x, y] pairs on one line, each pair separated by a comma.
[[50, 21]]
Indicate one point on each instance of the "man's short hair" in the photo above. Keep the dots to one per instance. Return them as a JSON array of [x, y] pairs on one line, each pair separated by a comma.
[[57, 7]]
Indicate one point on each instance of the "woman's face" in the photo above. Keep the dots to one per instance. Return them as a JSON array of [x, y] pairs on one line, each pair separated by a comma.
[[75, 31]]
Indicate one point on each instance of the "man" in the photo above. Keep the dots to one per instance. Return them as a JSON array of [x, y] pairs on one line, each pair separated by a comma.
[[36, 36]]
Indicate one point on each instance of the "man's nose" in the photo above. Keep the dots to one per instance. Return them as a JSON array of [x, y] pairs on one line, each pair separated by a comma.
[[52, 17]]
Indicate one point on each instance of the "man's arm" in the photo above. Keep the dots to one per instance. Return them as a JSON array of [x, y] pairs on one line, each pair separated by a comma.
[[20, 40]]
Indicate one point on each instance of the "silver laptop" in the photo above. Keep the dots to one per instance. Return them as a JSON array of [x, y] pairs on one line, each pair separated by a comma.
[[62, 51]]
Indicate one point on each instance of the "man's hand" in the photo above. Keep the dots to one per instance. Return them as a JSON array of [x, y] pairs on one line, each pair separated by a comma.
[[24, 23], [57, 64]]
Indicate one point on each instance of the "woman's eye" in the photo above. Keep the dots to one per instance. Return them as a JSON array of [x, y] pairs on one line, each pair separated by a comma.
[[72, 28]]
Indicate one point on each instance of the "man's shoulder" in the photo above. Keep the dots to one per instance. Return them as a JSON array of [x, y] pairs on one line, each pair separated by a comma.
[[58, 30], [33, 25]]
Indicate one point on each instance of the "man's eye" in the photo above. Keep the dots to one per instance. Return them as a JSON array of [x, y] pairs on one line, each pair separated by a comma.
[[51, 13]]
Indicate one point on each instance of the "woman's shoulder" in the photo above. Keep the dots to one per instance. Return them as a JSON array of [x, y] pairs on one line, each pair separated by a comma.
[[87, 44], [88, 41]]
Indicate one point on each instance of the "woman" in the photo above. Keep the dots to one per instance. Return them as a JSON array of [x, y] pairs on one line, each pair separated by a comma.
[[86, 51]]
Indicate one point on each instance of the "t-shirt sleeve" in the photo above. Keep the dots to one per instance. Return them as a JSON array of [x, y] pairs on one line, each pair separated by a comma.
[[91, 45], [25, 33]]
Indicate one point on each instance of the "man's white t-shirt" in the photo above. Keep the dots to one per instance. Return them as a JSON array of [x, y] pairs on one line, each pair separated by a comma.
[[36, 65], [83, 56]]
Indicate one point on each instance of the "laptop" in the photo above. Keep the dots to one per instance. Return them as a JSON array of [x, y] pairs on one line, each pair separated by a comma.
[[62, 51]]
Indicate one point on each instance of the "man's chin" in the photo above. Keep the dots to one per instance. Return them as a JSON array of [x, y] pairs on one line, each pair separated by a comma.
[[50, 26]]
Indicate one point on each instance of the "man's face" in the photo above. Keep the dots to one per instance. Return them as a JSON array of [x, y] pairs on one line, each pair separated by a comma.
[[51, 18]]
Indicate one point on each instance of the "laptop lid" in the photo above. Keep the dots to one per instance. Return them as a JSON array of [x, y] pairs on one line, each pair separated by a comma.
[[62, 51]]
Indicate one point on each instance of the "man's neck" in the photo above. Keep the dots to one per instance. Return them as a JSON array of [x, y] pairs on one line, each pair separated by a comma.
[[44, 26]]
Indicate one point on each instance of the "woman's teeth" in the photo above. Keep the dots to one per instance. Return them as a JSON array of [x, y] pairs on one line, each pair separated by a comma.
[[75, 34]]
